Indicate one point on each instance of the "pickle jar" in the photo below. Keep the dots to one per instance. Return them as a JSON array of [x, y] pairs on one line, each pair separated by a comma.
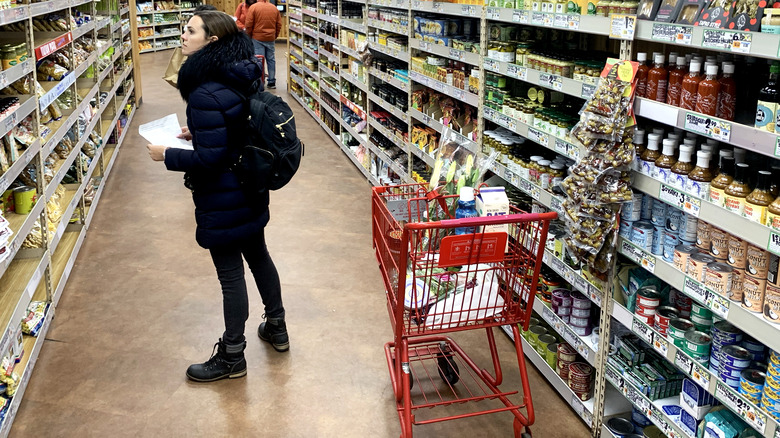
[[544, 173]]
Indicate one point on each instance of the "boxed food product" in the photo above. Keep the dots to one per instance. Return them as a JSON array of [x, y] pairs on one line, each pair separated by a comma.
[[668, 10], [689, 11], [746, 15], [715, 14]]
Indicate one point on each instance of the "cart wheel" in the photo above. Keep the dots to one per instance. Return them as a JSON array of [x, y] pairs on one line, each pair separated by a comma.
[[448, 369], [519, 428]]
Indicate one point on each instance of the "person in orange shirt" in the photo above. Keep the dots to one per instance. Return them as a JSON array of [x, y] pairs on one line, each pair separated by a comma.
[[241, 13], [264, 23]]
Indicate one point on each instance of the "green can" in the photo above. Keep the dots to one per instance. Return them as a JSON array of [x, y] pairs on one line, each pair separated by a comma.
[[543, 342], [531, 322], [701, 312], [677, 329], [551, 355], [697, 343], [533, 335], [8, 202], [24, 199]]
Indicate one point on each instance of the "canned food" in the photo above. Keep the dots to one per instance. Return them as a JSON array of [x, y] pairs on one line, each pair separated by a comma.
[[752, 380], [719, 243], [753, 346], [670, 243], [724, 330], [703, 239], [658, 213], [580, 372], [579, 321], [579, 301], [561, 297], [772, 304], [648, 297], [551, 355], [632, 210], [543, 342], [734, 356], [625, 230], [534, 333], [566, 352], [620, 426], [580, 313], [732, 382], [652, 431], [647, 319], [563, 370], [688, 227], [563, 311], [753, 290], [757, 262], [658, 237], [737, 285], [673, 219], [663, 317], [697, 342], [701, 311], [718, 278], [737, 252], [647, 207], [697, 264], [681, 254], [642, 235], [581, 330], [677, 329]]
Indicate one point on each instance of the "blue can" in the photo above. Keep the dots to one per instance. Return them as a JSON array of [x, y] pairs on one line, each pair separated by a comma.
[[688, 226], [730, 372], [658, 237], [647, 208], [625, 230], [734, 356], [659, 213], [670, 242], [632, 210], [642, 235], [673, 219], [639, 418], [732, 382]]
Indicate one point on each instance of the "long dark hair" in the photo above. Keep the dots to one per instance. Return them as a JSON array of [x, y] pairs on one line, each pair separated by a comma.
[[217, 23]]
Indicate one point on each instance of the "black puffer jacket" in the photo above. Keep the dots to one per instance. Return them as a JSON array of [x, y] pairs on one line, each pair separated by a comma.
[[212, 81]]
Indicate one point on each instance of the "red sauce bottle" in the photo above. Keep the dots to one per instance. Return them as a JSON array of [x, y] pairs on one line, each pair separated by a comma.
[[657, 80], [690, 86], [727, 99], [708, 91], [641, 74], [675, 82]]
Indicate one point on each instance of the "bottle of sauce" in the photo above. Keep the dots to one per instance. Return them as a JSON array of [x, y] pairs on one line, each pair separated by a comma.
[[679, 177], [690, 85], [650, 154], [639, 144], [768, 99], [757, 202], [727, 99], [773, 215], [708, 91], [724, 178], [641, 74], [664, 163], [675, 82], [739, 155], [657, 80], [700, 177], [774, 187], [737, 191]]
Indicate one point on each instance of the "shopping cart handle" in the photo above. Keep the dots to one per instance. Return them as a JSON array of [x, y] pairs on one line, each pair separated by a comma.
[[487, 220]]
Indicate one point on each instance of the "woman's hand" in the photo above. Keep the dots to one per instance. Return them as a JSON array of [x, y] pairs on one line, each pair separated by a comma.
[[156, 151], [185, 134]]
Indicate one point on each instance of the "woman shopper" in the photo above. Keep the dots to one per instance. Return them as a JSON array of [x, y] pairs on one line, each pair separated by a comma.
[[220, 70], [241, 13]]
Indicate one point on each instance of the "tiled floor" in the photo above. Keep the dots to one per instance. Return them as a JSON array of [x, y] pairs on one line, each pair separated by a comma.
[[143, 302]]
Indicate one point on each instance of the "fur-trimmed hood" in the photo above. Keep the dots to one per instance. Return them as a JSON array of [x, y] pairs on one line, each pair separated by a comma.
[[229, 60]]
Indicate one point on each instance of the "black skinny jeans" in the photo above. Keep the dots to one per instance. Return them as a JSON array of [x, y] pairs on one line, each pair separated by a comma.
[[230, 270]]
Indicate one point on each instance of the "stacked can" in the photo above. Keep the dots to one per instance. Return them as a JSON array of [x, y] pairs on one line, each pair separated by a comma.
[[561, 304], [671, 233], [580, 314], [677, 329], [658, 219], [581, 380], [701, 317], [688, 227], [751, 385], [647, 302], [733, 360], [726, 335], [663, 317], [682, 303], [756, 349], [646, 212], [770, 398], [737, 259], [531, 322], [642, 235], [566, 356], [756, 272], [697, 345]]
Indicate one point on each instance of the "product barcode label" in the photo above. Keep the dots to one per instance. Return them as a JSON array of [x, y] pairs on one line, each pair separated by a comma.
[[742, 408], [642, 330]]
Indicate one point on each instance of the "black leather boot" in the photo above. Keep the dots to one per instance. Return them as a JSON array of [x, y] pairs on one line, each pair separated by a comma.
[[275, 331], [227, 361]]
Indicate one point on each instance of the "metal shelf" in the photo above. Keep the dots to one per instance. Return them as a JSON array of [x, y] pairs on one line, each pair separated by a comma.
[[397, 4], [589, 24], [328, 18], [355, 81], [330, 39], [296, 42], [557, 144], [389, 27], [447, 52], [26, 106], [310, 12], [571, 276], [311, 53], [360, 137], [80, 31], [382, 155], [330, 56], [310, 32], [385, 106], [49, 6], [386, 132], [334, 113], [328, 72], [310, 72], [332, 93], [419, 153], [354, 25], [711, 382], [393, 53], [350, 52], [295, 16], [747, 137], [387, 78], [12, 15], [449, 90], [546, 80]]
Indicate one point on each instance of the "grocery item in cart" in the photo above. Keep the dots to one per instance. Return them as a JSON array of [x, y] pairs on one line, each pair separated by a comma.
[[477, 300]]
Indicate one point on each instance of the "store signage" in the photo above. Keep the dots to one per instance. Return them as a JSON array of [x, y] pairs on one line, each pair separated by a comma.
[[493, 13], [700, 375], [681, 200], [638, 256], [517, 72], [574, 22], [551, 81], [683, 362], [538, 136], [537, 18], [561, 21], [622, 27], [748, 412], [718, 304], [672, 33], [660, 344], [595, 294], [642, 330], [714, 128], [520, 17]]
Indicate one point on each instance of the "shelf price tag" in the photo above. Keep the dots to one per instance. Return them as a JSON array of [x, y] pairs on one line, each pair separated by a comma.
[[777, 154], [459, 55], [595, 294], [507, 122], [567, 149], [520, 17], [551, 81], [750, 414], [547, 315], [695, 290], [636, 399], [493, 13], [622, 26], [642, 330], [526, 186], [587, 91], [658, 418], [718, 304], [561, 21], [574, 22], [700, 375], [613, 377], [683, 362], [548, 20], [741, 42], [681, 200], [638, 256], [492, 65], [579, 408], [556, 206], [701, 124], [660, 344], [774, 242], [517, 72], [672, 33], [539, 137], [470, 11], [537, 18]]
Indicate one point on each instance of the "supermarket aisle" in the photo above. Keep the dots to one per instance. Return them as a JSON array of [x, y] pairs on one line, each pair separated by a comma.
[[143, 303]]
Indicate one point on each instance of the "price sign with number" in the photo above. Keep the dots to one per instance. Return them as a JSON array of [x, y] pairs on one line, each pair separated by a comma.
[[750, 414], [492, 65], [657, 417], [774, 243], [672, 33], [741, 42], [695, 290], [622, 26], [551, 81], [718, 304], [714, 128], [642, 330], [520, 17], [613, 377], [493, 13], [683, 362], [548, 20], [680, 200], [548, 315], [469, 10], [539, 137], [457, 54]]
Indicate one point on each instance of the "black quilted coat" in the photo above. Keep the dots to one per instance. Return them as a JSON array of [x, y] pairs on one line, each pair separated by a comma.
[[210, 81]]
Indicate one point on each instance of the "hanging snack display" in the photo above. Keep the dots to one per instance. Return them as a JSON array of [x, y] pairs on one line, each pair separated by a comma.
[[600, 181]]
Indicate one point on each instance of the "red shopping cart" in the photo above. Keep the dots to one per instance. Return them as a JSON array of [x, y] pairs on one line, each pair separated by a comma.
[[427, 297]]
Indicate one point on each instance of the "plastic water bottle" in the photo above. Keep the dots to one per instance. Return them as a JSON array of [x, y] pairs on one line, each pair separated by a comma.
[[466, 208]]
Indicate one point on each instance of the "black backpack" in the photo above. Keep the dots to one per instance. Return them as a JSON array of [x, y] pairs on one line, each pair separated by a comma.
[[273, 152]]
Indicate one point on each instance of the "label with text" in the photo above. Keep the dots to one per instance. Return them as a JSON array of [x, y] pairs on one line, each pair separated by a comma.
[[561, 21], [551, 81], [683, 362], [657, 417], [660, 344], [517, 72], [587, 91], [639, 256], [470, 11], [700, 375], [777, 153], [680, 200], [741, 42], [718, 304], [742, 408], [459, 55], [622, 26], [538, 136], [701, 124], [557, 206], [537, 18], [574, 22], [774, 242], [672, 33], [595, 294], [493, 13], [520, 17], [695, 290], [614, 377], [491, 65], [642, 330]]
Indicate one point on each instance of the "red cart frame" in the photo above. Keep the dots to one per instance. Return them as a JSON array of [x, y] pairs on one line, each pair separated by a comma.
[[415, 245]]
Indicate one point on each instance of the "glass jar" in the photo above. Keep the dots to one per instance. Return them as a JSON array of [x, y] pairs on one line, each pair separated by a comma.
[[545, 177], [533, 169]]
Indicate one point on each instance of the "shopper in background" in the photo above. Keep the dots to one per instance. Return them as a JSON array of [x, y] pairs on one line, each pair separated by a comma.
[[220, 71], [241, 13], [263, 24], [177, 59]]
